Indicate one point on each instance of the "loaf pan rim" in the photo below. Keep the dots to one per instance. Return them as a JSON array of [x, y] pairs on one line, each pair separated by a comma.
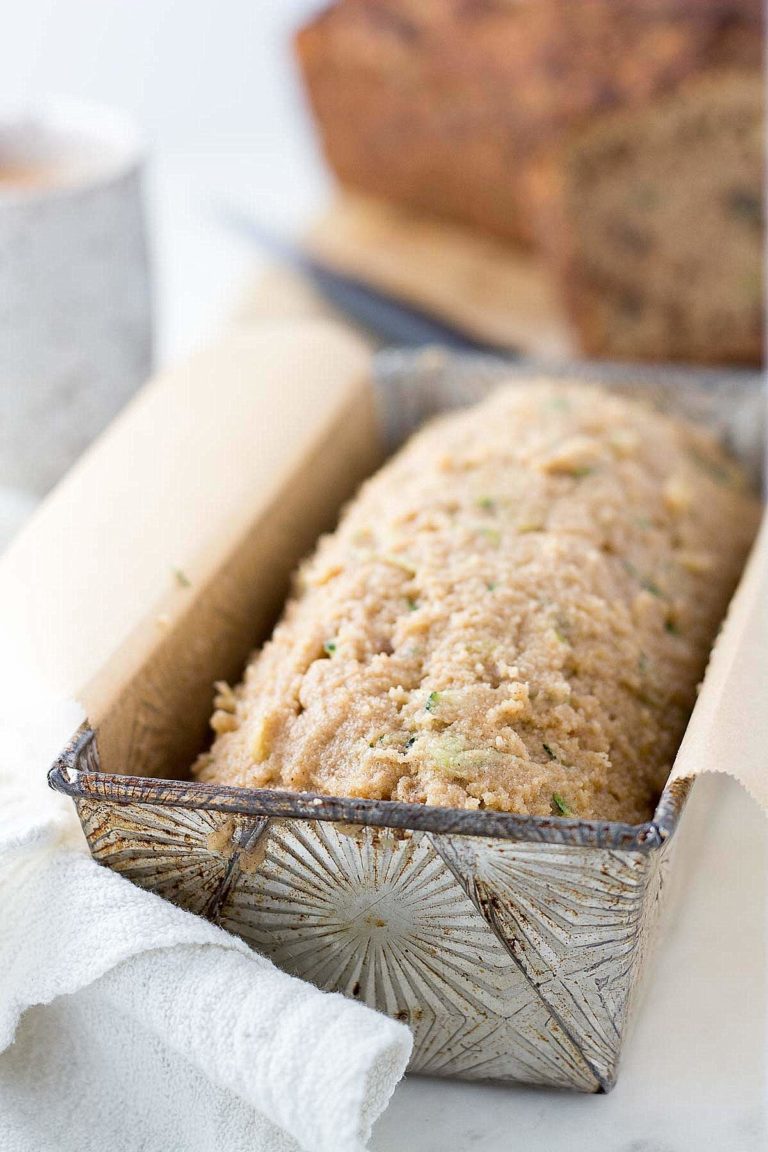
[[67, 776]]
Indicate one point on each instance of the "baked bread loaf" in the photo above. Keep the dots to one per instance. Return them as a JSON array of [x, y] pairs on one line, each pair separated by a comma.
[[466, 111], [660, 232], [513, 615], [447, 106]]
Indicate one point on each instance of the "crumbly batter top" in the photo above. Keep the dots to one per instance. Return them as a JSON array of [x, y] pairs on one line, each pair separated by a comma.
[[513, 614]]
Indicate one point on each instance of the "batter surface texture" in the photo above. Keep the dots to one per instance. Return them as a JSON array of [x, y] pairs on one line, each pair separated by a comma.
[[513, 614]]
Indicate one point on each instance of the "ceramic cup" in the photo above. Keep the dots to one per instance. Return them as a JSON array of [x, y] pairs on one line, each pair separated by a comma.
[[75, 307]]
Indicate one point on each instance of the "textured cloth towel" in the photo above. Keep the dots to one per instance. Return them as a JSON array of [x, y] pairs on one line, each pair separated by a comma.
[[127, 1023]]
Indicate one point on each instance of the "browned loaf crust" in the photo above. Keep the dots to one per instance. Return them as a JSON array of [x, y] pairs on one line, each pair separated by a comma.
[[465, 110], [661, 223], [445, 105]]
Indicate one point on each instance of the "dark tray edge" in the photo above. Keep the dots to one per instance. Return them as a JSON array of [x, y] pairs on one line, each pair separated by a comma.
[[76, 773]]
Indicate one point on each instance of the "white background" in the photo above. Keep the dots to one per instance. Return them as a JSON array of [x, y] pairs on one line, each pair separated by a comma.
[[213, 87]]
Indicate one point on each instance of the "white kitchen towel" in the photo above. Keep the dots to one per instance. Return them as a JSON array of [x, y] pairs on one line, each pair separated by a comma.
[[128, 1023]]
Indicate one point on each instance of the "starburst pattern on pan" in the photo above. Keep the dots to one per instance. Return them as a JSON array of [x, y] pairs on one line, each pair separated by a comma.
[[188, 856], [575, 921], [508, 960], [378, 916]]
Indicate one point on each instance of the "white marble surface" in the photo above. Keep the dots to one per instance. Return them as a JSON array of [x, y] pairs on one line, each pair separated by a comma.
[[221, 109]]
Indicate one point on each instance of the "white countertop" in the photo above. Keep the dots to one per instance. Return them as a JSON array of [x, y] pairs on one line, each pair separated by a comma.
[[694, 1072]]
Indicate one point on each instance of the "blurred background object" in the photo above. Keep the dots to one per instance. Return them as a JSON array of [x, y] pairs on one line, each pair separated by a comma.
[[75, 319], [621, 140], [217, 97], [217, 101]]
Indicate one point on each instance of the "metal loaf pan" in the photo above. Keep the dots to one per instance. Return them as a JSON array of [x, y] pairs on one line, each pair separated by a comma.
[[512, 946]]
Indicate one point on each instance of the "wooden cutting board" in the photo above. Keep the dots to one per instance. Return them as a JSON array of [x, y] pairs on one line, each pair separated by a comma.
[[489, 290]]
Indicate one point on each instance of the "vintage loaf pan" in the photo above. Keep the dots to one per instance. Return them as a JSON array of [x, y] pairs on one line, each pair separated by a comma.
[[512, 946]]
